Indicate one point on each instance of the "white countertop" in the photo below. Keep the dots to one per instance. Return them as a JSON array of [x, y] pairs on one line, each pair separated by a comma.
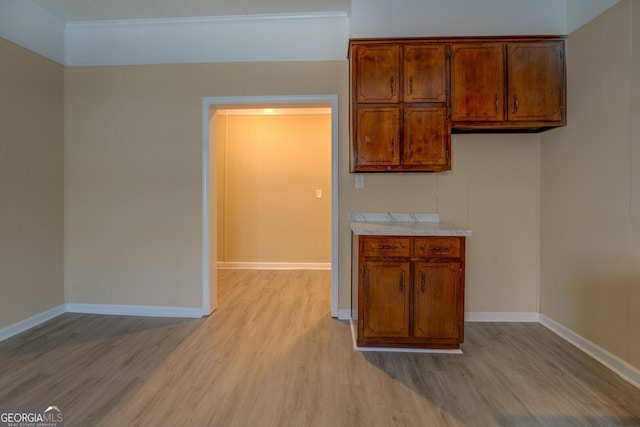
[[399, 224]]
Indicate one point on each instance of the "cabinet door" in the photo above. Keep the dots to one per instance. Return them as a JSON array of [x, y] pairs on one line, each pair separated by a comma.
[[477, 82], [377, 137], [376, 73], [427, 136], [386, 290], [437, 300], [425, 73], [536, 81]]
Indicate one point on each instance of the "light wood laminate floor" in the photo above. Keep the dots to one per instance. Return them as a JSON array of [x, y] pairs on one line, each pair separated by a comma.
[[271, 355]]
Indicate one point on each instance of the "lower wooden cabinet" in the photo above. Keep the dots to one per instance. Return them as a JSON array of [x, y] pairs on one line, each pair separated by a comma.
[[386, 299], [436, 287], [410, 291]]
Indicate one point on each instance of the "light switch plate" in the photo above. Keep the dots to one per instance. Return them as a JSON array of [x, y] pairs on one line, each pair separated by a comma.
[[359, 181]]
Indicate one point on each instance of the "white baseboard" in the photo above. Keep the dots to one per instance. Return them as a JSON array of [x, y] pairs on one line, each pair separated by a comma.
[[344, 314], [274, 266], [31, 322], [501, 316], [135, 310], [629, 373]]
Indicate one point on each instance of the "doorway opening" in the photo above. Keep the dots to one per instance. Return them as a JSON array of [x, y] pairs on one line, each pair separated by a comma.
[[211, 107]]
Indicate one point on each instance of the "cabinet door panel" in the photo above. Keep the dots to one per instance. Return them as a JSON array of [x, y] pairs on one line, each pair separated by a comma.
[[536, 81], [386, 299], [425, 73], [376, 73], [427, 136], [436, 303], [477, 82], [377, 136]]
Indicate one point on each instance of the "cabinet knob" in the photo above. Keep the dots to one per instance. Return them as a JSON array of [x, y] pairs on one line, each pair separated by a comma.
[[515, 102], [497, 103]]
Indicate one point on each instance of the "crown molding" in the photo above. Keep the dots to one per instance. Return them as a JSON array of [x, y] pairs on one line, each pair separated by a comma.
[[253, 38], [210, 20], [318, 36], [33, 28]]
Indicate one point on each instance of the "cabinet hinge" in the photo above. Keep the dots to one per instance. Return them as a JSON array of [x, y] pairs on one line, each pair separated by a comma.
[[447, 154], [361, 323], [461, 273], [362, 271]]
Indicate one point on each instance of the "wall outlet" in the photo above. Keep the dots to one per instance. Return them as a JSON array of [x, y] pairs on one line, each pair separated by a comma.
[[359, 181]]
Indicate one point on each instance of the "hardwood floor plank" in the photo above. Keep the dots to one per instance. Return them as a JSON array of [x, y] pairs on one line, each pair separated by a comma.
[[271, 355]]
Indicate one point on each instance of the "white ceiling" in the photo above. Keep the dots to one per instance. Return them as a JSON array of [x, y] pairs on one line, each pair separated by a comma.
[[136, 32], [98, 10]]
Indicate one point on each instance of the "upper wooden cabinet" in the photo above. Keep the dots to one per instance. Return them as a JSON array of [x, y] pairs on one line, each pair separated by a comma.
[[477, 82], [392, 73], [425, 74], [399, 106], [536, 82], [427, 136], [377, 137], [376, 76], [508, 84], [409, 95]]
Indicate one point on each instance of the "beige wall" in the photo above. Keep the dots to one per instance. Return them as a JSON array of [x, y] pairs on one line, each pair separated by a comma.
[[272, 166], [590, 208], [133, 185], [31, 184], [133, 171], [492, 189]]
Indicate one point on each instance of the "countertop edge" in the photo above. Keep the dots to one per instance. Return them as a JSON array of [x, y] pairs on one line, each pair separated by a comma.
[[408, 229], [403, 224]]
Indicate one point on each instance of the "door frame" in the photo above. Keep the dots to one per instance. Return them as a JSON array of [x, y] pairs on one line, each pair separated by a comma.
[[210, 287]]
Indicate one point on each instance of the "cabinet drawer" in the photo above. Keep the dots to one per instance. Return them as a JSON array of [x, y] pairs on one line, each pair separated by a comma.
[[381, 246], [440, 247]]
